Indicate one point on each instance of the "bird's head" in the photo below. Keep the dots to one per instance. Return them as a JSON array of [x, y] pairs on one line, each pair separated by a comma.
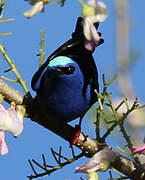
[[63, 65], [60, 67]]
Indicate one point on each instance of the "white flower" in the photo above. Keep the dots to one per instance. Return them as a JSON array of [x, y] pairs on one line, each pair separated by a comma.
[[90, 31], [99, 162], [36, 8], [11, 120], [93, 12]]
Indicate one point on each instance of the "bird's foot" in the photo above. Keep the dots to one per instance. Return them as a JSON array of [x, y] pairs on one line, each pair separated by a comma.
[[75, 135]]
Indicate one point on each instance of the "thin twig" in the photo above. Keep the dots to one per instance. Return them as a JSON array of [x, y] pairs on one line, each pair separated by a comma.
[[9, 79], [44, 160], [108, 132], [6, 20], [58, 2], [54, 155], [5, 34], [14, 70], [54, 168], [59, 157], [32, 167], [42, 48]]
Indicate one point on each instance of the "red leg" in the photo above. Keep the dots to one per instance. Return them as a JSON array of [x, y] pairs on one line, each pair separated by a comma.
[[76, 133]]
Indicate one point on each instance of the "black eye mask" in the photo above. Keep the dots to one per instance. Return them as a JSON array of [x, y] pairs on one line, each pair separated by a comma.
[[67, 69]]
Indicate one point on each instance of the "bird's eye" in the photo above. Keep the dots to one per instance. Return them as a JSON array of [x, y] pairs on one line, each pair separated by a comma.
[[68, 70]]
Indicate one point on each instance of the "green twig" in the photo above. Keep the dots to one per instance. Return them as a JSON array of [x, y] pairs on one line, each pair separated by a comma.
[[2, 3], [116, 116], [5, 34], [9, 79], [42, 48], [124, 151], [97, 123], [106, 84], [14, 70], [120, 120], [126, 137], [140, 107], [121, 177], [133, 107], [108, 132], [126, 103], [121, 103], [101, 100], [98, 114], [58, 2], [6, 20]]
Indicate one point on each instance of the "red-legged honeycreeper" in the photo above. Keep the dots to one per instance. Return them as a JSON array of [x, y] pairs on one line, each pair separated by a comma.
[[65, 83]]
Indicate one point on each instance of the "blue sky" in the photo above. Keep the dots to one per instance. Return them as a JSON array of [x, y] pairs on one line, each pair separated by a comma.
[[23, 46]]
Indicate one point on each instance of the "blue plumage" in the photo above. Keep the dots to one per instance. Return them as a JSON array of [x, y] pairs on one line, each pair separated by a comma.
[[65, 83], [62, 92]]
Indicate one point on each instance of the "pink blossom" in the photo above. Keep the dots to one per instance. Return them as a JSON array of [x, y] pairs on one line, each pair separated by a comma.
[[3, 145], [11, 120], [140, 149], [99, 162]]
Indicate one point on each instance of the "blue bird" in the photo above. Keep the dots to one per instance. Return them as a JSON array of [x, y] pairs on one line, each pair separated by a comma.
[[65, 83]]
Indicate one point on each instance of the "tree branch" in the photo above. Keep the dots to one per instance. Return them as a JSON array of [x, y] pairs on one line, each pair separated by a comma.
[[88, 145]]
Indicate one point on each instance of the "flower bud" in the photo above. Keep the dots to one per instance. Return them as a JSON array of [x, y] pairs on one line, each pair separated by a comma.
[[87, 10]]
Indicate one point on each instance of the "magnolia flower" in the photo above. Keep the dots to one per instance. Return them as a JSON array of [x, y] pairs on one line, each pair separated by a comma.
[[99, 162], [11, 120], [37, 6], [93, 12], [140, 149]]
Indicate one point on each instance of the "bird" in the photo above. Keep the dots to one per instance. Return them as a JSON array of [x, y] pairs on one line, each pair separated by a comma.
[[65, 84]]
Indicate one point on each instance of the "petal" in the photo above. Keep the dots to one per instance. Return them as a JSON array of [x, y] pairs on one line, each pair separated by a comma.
[[87, 31], [92, 3], [101, 11], [90, 31], [3, 146], [99, 162], [140, 149], [17, 126], [89, 167], [34, 10], [2, 108], [5, 120], [11, 120], [94, 33], [90, 45]]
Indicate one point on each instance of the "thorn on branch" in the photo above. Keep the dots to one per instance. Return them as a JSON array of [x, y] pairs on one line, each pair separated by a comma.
[[48, 169]]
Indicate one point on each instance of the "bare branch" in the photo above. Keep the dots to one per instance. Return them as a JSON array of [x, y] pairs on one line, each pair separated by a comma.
[[87, 144]]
